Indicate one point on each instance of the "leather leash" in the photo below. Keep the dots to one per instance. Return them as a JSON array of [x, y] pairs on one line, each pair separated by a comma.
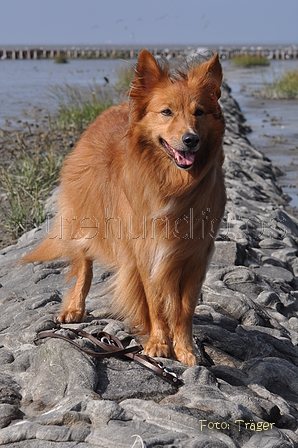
[[112, 347]]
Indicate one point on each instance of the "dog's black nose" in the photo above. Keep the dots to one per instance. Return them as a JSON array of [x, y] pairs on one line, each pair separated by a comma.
[[190, 140]]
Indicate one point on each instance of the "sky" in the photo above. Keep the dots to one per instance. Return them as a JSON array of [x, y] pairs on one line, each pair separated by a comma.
[[151, 22]]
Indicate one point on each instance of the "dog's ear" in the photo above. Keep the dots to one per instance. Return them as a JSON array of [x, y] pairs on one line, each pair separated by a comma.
[[208, 74], [211, 68], [147, 76], [148, 72], [214, 67]]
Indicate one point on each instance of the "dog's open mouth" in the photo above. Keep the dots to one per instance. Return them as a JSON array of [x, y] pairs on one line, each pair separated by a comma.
[[183, 159]]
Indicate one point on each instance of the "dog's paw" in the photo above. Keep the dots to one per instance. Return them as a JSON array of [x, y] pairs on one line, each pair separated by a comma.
[[158, 349], [69, 316], [185, 356]]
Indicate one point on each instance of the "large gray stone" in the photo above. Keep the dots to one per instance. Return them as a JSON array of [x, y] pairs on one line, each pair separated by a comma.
[[228, 253]]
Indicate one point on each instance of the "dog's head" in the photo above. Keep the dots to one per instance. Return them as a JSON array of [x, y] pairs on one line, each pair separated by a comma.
[[178, 113]]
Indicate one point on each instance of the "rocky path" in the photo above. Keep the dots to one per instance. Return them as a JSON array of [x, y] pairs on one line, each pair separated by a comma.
[[244, 390]]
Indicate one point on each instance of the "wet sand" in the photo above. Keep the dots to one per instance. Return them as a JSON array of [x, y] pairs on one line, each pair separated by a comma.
[[273, 122], [276, 135]]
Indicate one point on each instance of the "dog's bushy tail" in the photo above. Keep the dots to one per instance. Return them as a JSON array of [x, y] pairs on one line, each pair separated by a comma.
[[48, 250]]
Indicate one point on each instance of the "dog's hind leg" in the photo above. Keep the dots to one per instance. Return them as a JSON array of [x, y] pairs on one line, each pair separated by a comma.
[[129, 296], [73, 305]]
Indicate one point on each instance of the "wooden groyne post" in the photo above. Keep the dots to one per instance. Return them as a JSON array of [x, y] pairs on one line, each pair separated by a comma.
[[102, 52]]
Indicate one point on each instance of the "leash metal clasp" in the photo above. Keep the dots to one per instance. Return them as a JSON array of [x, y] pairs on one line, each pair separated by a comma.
[[105, 340], [166, 372]]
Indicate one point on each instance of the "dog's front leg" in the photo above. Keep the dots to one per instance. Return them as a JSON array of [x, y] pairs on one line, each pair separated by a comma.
[[182, 334], [159, 340], [159, 334], [182, 327]]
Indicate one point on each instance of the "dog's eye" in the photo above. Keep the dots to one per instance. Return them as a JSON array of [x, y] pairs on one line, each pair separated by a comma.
[[199, 113], [167, 112]]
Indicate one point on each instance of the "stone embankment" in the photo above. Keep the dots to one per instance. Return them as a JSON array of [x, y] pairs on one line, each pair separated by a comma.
[[244, 390]]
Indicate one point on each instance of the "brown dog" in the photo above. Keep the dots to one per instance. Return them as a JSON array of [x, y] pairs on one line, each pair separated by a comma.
[[143, 191]]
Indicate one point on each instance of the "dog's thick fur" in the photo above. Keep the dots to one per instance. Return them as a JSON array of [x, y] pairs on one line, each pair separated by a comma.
[[143, 191]]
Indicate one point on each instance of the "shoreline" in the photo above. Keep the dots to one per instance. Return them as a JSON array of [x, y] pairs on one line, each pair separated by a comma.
[[31, 130], [267, 136]]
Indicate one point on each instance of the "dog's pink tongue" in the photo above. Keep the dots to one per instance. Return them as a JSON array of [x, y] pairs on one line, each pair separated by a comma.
[[184, 157]]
